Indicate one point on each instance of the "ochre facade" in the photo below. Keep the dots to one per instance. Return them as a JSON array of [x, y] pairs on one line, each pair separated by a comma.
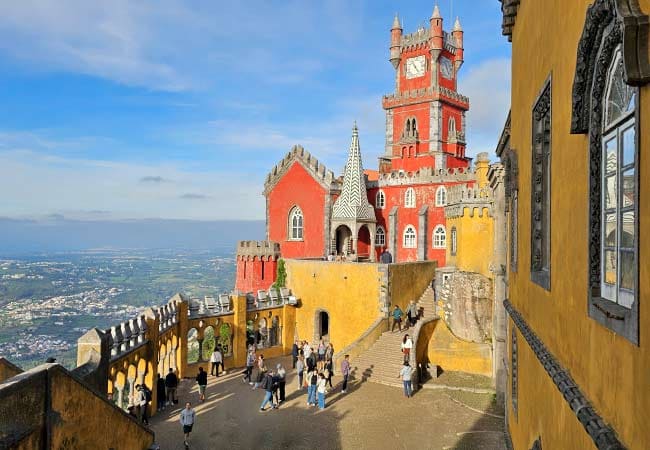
[[610, 369]]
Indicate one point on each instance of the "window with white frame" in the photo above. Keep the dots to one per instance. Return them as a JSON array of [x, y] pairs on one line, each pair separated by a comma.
[[380, 237], [439, 237], [452, 130], [409, 198], [441, 196], [618, 188], [410, 237], [296, 224], [380, 200], [454, 240]]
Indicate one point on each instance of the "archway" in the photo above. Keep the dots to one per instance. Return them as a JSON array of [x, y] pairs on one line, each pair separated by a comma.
[[343, 240], [363, 242], [321, 326], [192, 346]]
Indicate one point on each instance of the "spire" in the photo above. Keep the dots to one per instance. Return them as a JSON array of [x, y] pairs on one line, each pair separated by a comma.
[[436, 12], [396, 24], [353, 201], [457, 26]]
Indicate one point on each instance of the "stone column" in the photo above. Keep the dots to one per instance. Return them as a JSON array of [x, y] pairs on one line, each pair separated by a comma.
[[423, 233], [239, 331], [120, 395]]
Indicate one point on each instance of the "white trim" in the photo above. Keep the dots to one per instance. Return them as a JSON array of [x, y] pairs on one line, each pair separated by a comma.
[[412, 238], [439, 238], [409, 198], [441, 196]]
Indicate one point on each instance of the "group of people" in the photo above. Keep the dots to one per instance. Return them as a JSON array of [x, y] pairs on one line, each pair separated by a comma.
[[412, 315]]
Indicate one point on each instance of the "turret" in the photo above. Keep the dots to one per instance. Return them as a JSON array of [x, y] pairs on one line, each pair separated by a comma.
[[457, 34], [435, 33], [481, 168], [395, 42]]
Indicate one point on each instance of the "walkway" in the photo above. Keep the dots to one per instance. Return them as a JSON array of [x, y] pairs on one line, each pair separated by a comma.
[[369, 416]]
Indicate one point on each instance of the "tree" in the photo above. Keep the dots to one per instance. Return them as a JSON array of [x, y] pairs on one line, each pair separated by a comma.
[[281, 277]]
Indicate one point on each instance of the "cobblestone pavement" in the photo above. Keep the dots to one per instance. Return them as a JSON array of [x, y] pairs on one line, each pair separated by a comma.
[[369, 416]]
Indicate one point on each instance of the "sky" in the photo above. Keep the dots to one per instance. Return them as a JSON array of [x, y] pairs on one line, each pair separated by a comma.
[[178, 109]]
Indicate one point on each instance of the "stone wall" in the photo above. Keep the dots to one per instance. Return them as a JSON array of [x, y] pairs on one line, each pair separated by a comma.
[[8, 370], [409, 280]]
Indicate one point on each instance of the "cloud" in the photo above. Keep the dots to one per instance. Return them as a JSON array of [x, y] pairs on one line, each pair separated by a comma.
[[154, 180], [192, 196]]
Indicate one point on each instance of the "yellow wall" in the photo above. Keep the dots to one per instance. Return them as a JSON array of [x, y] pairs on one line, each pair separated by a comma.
[[451, 353], [611, 371], [349, 292], [409, 280], [475, 242]]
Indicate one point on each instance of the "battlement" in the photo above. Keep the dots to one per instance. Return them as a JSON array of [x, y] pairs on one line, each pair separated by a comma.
[[474, 200], [421, 37], [425, 94], [298, 153], [258, 248], [423, 176]]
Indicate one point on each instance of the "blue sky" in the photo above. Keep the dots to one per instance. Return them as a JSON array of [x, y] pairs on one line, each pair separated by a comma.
[[178, 109]]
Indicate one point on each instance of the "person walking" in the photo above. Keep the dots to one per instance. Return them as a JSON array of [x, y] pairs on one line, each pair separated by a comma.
[[397, 318], [281, 375], [250, 363], [406, 373], [407, 345], [160, 393], [312, 380], [216, 358], [294, 354], [202, 381], [171, 383], [321, 388], [261, 371], [345, 371], [267, 385], [329, 372], [329, 351], [321, 354], [187, 421], [300, 369]]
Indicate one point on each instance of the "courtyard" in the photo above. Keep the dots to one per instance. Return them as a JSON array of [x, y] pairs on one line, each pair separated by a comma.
[[368, 416]]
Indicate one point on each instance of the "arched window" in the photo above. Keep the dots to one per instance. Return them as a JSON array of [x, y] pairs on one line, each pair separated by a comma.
[[380, 200], [380, 237], [452, 129], [441, 196], [439, 237], [454, 241], [409, 198], [618, 188], [296, 224], [414, 127], [410, 237]]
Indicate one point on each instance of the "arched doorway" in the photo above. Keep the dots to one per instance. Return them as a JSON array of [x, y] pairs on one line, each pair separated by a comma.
[[363, 243], [322, 326], [343, 240]]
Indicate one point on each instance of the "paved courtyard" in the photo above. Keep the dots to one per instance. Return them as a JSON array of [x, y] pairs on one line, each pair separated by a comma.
[[369, 416]]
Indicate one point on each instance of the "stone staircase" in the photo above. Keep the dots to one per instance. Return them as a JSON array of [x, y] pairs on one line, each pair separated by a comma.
[[383, 361]]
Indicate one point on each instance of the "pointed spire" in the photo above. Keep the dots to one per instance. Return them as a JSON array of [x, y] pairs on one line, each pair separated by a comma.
[[396, 24], [457, 26], [436, 12]]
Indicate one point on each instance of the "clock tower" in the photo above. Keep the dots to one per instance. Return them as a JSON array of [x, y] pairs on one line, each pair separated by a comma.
[[425, 116]]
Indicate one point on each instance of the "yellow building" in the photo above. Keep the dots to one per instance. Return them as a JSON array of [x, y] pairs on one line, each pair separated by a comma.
[[579, 359]]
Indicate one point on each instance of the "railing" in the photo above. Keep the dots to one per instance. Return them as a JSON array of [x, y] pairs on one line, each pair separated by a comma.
[[126, 336]]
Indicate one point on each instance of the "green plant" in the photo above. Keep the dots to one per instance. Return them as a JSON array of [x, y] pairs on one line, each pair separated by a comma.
[[281, 276]]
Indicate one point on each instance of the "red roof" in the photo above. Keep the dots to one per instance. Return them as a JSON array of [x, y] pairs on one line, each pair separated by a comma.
[[373, 175]]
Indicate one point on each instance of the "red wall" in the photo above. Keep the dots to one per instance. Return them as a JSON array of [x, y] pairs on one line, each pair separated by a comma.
[[255, 273], [298, 188]]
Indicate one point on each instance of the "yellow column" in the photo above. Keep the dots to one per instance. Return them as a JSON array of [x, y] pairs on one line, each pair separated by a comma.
[[239, 331]]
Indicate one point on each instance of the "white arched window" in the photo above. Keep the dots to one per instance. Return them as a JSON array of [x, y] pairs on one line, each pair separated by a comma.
[[409, 198], [296, 224], [439, 237], [441, 196], [452, 129], [380, 200], [410, 237], [380, 237]]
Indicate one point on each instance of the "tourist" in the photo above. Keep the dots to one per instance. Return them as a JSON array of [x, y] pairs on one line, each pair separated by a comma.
[[261, 371], [329, 372], [160, 392], [281, 375], [322, 389], [411, 314], [406, 373], [385, 257], [306, 350], [294, 354], [345, 371], [267, 385], [321, 354], [397, 318], [329, 351], [202, 381], [311, 360], [407, 345], [141, 399], [250, 363], [217, 360], [187, 421], [171, 383], [312, 380], [300, 369]]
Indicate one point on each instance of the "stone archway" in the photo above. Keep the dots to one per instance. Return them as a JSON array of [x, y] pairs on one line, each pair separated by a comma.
[[343, 240], [364, 243], [322, 325]]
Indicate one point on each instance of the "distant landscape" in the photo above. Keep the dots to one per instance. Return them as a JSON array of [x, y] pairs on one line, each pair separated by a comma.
[[60, 278]]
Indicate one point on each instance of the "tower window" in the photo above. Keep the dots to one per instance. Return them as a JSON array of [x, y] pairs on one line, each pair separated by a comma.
[[452, 130], [454, 241], [439, 237], [410, 237], [295, 224], [409, 198], [380, 237], [441, 196], [380, 200]]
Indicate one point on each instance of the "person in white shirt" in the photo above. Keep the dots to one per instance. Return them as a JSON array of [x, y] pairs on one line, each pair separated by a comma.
[[217, 360], [321, 389], [187, 421], [406, 373], [306, 350], [407, 345]]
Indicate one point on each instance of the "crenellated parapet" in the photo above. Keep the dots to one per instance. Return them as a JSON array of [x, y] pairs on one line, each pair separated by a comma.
[[319, 172], [268, 250], [468, 200], [434, 93], [423, 176]]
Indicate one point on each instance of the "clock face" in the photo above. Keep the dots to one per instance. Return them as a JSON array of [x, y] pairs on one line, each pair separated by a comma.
[[446, 68], [415, 67]]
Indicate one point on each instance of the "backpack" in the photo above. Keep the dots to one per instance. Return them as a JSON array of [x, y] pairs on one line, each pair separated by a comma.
[[147, 394], [314, 379]]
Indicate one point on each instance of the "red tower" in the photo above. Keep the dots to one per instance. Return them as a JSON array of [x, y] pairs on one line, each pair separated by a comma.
[[257, 263]]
